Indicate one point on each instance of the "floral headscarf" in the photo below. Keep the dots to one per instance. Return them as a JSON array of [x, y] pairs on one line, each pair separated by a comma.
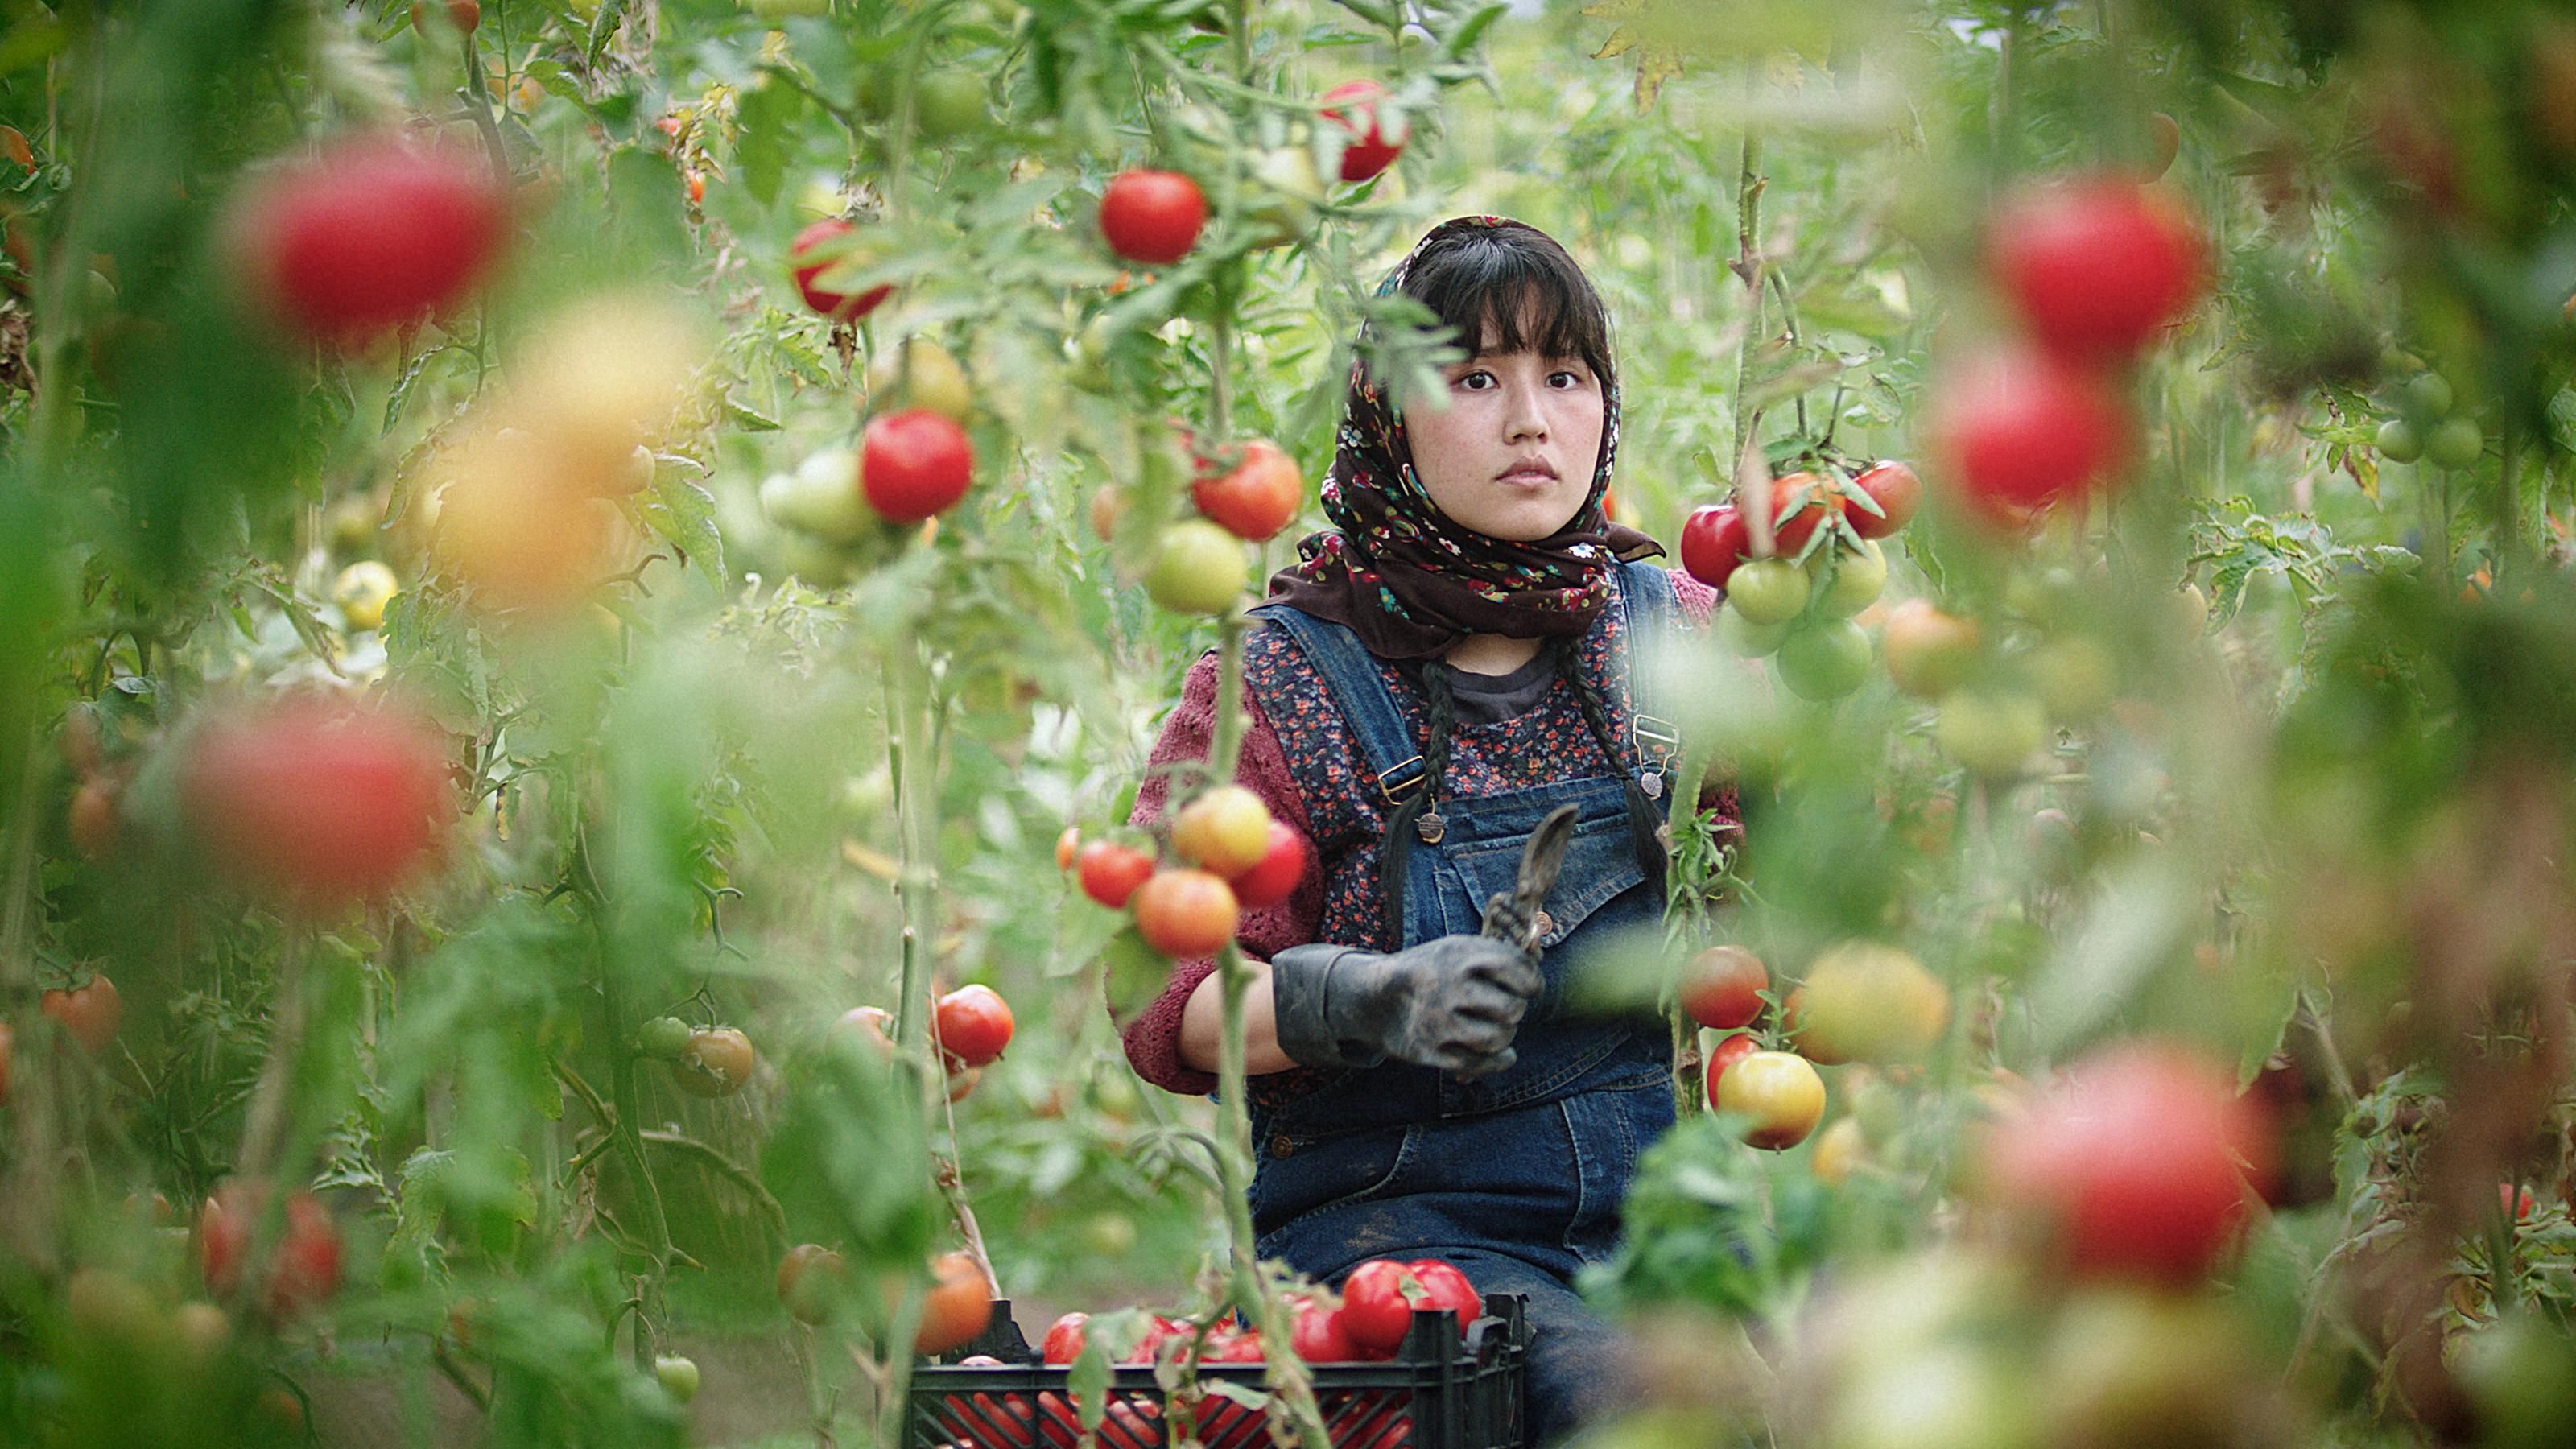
[[1408, 579]]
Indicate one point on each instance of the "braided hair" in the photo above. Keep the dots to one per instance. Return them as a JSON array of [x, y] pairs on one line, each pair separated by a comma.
[[1395, 856]]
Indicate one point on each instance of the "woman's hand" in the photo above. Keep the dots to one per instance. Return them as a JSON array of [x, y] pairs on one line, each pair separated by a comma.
[[1454, 1003]]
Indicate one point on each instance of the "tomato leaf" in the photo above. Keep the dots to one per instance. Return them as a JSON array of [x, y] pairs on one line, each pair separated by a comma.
[[1134, 974]]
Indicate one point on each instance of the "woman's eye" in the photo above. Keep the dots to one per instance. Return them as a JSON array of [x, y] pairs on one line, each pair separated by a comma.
[[1473, 381], [1565, 379]]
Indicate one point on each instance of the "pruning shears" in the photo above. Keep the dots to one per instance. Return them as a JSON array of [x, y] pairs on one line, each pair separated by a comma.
[[1514, 916]]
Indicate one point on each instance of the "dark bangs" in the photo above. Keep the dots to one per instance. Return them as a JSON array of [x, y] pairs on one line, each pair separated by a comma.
[[1511, 288]]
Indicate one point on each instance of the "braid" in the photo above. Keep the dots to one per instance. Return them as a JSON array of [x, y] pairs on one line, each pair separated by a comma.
[[1642, 832], [1395, 852]]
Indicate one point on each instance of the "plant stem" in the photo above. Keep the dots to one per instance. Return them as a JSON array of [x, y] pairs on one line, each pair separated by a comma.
[[619, 1022], [1747, 267]]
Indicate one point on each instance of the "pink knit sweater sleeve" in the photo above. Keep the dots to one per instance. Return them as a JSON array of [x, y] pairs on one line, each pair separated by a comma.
[[1153, 1039], [1699, 607]]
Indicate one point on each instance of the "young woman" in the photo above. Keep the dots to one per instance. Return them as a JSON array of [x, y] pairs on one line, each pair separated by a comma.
[[1444, 667]]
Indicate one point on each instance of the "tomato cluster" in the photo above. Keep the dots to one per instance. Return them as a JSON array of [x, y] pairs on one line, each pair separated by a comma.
[[1237, 857], [1805, 614]]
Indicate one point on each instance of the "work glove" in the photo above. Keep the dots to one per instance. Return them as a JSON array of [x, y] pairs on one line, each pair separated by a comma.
[[1451, 1003]]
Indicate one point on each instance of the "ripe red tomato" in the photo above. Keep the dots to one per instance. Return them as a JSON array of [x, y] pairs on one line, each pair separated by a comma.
[[1444, 1286], [913, 464], [972, 1024], [90, 1013], [957, 1306], [1892, 486], [1714, 540], [1185, 913], [1377, 1305], [1791, 530], [715, 1063], [1724, 1055], [1276, 876], [1226, 831], [369, 235], [2132, 1164], [463, 14], [1317, 1334], [307, 1271], [2096, 265], [1371, 149], [811, 1281], [1779, 1091], [314, 803], [1064, 1339], [1152, 216], [2019, 432], [1722, 987], [2516, 1202], [1004, 1423], [1257, 497], [811, 254], [1110, 872]]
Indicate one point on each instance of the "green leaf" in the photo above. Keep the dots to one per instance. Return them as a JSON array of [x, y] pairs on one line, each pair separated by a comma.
[[769, 114], [685, 513], [1134, 974]]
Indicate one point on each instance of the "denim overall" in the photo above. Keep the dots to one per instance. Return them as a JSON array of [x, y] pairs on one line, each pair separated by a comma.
[[1515, 1177]]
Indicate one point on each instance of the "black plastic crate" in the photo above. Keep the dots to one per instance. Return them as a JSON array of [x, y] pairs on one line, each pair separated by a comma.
[[1442, 1390]]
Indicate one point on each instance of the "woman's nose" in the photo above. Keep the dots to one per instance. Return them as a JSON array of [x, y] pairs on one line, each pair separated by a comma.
[[1524, 420]]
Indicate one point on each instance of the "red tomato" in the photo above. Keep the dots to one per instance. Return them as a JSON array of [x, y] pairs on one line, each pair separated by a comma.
[[1377, 1305], [1317, 1335], [315, 803], [1066, 845], [1277, 874], [957, 1306], [1185, 913], [2516, 1202], [372, 234], [1724, 1055], [2096, 265], [1371, 150], [307, 1271], [1257, 497], [1064, 1339], [913, 464], [2132, 1164], [715, 1063], [811, 254], [811, 1280], [1722, 988], [1714, 540], [1790, 531], [1892, 486], [873, 1025], [1152, 216], [1110, 872], [1444, 1286], [2019, 432], [972, 1024], [463, 14], [90, 1013], [990, 1423]]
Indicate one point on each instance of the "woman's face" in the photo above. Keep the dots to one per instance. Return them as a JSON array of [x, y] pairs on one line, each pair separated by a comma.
[[1512, 454]]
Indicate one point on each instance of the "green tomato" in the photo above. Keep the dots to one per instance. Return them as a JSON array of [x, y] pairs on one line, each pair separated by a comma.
[[679, 1376], [1859, 577], [2398, 441], [1993, 734], [1199, 568], [663, 1038], [1825, 660], [1768, 591], [2455, 443], [1742, 636], [2426, 395], [820, 498], [2076, 678], [947, 104]]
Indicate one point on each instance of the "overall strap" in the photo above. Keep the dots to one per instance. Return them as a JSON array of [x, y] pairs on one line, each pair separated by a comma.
[[1352, 674], [1650, 609]]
